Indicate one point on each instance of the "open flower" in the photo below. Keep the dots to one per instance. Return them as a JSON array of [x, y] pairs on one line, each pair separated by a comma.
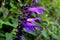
[[26, 19], [30, 26], [37, 9], [33, 19]]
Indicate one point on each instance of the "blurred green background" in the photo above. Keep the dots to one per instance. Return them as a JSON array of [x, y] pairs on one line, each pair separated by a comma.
[[50, 20]]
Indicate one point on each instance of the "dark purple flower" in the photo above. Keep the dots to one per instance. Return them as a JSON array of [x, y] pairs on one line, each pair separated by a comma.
[[30, 26], [26, 27], [26, 19], [37, 9]]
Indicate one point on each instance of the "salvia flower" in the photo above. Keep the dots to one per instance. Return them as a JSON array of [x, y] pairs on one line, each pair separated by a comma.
[[26, 19], [37, 9], [33, 19], [30, 26]]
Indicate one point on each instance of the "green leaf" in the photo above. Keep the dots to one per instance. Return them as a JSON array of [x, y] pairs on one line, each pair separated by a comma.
[[9, 36], [2, 35], [54, 36], [1, 22], [56, 4], [0, 25], [45, 34], [34, 14], [5, 12], [2, 39], [7, 23], [12, 5], [15, 23]]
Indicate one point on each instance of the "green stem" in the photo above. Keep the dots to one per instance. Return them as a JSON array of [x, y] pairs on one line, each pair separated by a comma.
[[20, 1], [27, 1]]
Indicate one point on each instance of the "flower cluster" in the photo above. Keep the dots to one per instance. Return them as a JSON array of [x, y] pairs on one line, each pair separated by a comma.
[[27, 19]]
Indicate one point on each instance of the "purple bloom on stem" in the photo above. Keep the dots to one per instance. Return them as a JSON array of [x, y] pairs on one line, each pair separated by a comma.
[[37, 18], [29, 26], [32, 25], [33, 19], [37, 9], [26, 27], [30, 19]]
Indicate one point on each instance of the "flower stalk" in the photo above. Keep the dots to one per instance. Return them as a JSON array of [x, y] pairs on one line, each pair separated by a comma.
[[26, 19]]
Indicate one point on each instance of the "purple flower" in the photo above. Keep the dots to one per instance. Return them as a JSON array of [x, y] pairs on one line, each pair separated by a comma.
[[36, 1], [33, 19], [37, 9], [26, 19], [30, 26]]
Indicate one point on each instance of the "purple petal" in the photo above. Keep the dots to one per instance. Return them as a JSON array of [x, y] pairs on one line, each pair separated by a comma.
[[27, 29], [37, 18], [30, 19], [34, 25], [29, 24], [37, 9], [33, 9], [41, 7], [24, 24], [38, 26], [36, 1], [33, 19], [32, 28]]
